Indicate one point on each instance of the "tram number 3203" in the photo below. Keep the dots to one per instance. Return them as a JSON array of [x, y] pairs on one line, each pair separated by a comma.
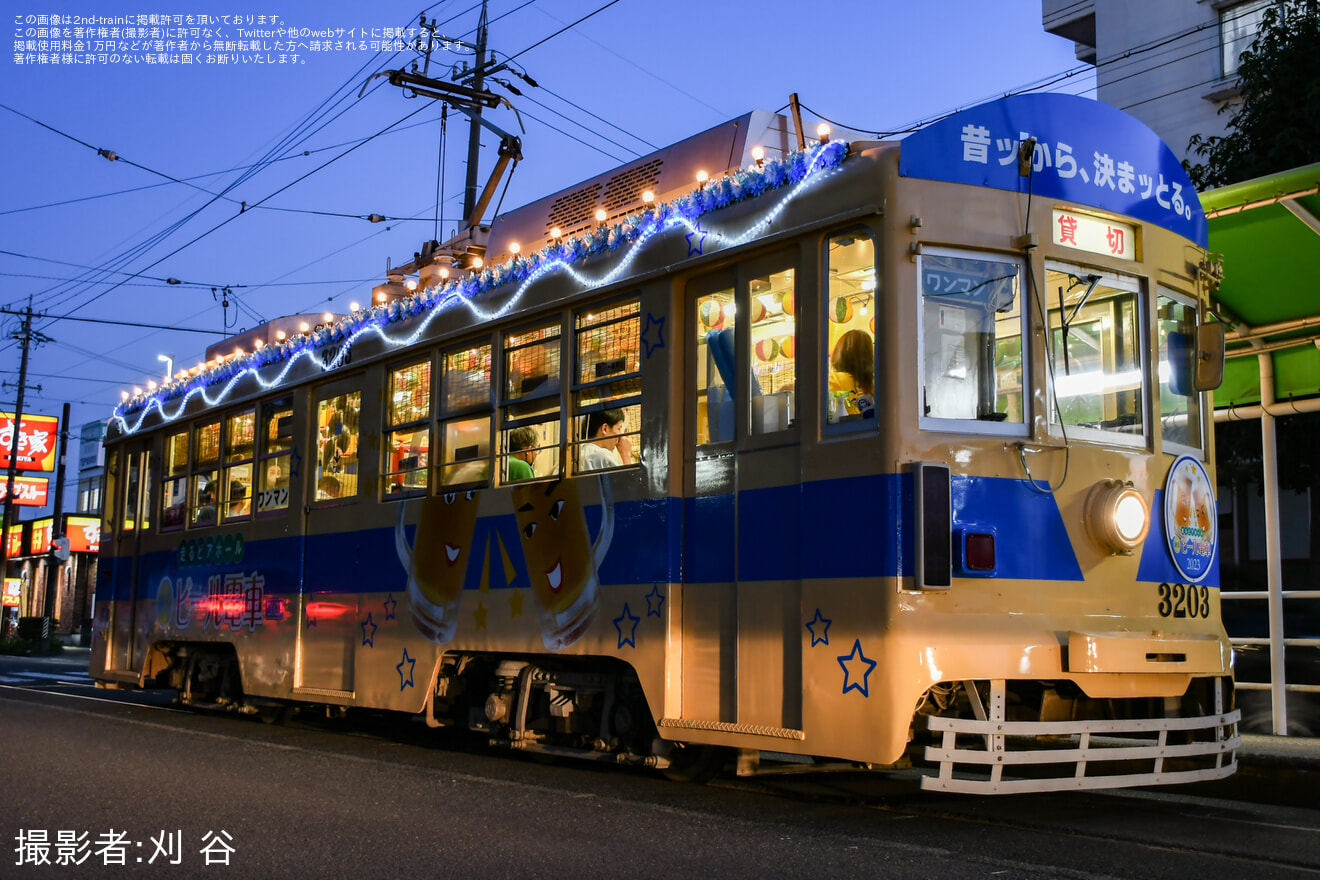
[[1184, 600]]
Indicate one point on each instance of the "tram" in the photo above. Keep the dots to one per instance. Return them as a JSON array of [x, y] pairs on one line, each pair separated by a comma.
[[835, 453]]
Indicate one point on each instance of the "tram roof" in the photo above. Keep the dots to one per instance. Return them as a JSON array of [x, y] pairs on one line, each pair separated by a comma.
[[1268, 231]]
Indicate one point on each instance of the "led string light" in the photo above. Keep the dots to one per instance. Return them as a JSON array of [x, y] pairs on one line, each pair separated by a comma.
[[801, 169]]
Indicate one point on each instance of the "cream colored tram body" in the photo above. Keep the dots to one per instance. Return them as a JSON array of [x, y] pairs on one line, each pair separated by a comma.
[[868, 453]]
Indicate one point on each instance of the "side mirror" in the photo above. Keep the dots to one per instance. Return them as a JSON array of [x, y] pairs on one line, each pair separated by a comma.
[[1209, 356]]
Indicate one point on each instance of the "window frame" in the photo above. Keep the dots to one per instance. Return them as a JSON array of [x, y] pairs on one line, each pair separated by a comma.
[[703, 287], [198, 468], [1225, 15], [504, 406], [1130, 282], [426, 423], [1173, 447], [173, 478], [282, 456], [580, 413], [230, 463], [444, 416], [974, 425], [854, 423], [321, 394]]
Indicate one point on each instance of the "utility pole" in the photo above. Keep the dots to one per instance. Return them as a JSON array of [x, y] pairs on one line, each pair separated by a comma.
[[474, 125], [466, 92], [55, 562], [25, 336]]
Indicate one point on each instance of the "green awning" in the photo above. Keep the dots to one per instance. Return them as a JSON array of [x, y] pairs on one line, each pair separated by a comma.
[[1268, 231]]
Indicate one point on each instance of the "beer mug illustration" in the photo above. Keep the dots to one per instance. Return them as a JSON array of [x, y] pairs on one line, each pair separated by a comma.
[[561, 559], [1201, 510], [1182, 510], [437, 562]]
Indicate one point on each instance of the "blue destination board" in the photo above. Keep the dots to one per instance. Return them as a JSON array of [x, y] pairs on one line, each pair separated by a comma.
[[1087, 153]]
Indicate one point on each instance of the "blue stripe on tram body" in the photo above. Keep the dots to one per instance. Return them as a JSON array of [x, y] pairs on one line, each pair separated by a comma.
[[860, 527]]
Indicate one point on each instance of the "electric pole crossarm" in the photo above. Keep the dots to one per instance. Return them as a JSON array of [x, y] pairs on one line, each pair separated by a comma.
[[429, 87]]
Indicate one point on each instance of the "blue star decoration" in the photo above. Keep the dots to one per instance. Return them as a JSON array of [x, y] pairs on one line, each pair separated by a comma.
[[654, 600], [850, 671], [631, 637], [700, 242], [295, 459], [390, 605], [311, 621], [823, 637], [369, 632], [657, 326], [410, 662]]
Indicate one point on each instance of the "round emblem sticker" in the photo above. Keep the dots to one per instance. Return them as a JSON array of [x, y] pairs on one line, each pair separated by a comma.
[[1190, 518]]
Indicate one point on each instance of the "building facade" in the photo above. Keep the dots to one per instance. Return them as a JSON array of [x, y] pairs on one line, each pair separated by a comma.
[[1171, 63]]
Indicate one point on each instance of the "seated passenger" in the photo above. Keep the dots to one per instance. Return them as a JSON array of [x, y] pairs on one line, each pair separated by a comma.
[[239, 503], [522, 453], [205, 506], [852, 365], [608, 447]]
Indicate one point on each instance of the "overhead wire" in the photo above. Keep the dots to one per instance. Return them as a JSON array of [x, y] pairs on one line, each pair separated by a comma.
[[267, 159], [247, 173], [1208, 29]]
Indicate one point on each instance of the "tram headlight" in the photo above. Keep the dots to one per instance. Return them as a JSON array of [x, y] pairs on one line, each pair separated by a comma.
[[1117, 516]]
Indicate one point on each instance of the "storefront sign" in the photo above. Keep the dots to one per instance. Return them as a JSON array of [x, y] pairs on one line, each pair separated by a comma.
[[36, 442], [84, 534], [43, 530], [13, 592], [28, 491]]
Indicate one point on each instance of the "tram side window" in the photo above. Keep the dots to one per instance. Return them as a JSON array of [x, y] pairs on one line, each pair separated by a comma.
[[971, 339], [773, 379], [337, 427], [133, 487], [466, 401], [109, 519], [205, 475], [1180, 404], [850, 329], [607, 387], [174, 490], [276, 452], [148, 487], [532, 361], [408, 428], [1095, 351], [240, 454], [716, 365]]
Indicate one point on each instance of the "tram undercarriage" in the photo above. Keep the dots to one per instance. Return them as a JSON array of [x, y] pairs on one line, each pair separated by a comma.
[[989, 736]]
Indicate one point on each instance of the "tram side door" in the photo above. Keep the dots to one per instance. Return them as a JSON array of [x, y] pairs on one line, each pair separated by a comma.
[[742, 478], [328, 633], [130, 592]]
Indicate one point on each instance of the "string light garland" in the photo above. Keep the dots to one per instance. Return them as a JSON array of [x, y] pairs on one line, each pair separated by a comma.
[[797, 170]]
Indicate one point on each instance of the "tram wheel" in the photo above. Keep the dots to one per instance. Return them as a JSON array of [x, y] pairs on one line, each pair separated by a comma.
[[274, 714], [695, 764]]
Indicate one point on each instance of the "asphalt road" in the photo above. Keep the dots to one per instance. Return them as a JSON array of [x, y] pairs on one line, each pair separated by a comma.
[[386, 797]]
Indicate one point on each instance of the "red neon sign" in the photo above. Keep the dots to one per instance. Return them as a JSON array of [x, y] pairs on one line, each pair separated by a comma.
[[43, 531], [36, 442], [28, 491], [13, 592], [84, 534]]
